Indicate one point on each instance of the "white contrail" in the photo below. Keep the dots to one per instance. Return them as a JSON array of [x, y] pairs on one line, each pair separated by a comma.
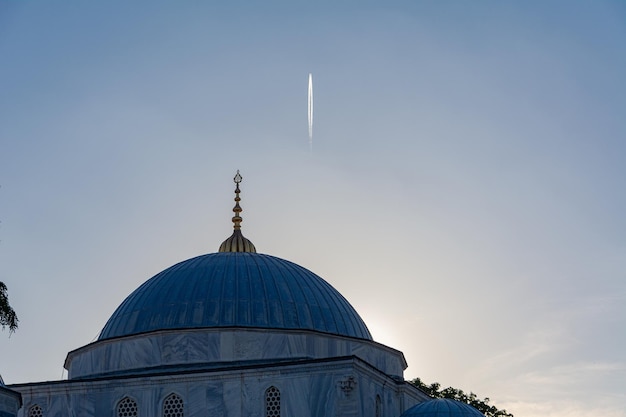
[[311, 111]]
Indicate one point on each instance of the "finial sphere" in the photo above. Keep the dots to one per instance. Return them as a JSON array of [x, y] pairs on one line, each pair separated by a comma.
[[238, 177]]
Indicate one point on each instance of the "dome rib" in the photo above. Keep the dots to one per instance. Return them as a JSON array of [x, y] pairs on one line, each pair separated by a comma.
[[259, 294], [285, 296], [320, 303], [235, 289], [302, 308]]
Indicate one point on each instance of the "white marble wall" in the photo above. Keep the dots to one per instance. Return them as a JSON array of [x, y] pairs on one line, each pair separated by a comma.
[[223, 345], [345, 388], [9, 402]]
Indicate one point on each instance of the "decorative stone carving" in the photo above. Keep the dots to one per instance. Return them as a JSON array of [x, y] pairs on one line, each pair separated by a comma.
[[347, 385]]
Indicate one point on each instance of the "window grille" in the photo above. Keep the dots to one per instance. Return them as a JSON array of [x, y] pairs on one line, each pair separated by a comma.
[[173, 406], [127, 408], [272, 402], [35, 411]]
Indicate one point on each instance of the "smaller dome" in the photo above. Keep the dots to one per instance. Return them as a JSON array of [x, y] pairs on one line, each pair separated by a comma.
[[442, 407]]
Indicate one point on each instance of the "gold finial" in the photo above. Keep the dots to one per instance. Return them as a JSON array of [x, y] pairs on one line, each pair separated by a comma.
[[237, 243], [237, 209]]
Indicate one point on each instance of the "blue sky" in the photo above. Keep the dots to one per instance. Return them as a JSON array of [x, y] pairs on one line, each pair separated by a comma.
[[465, 191]]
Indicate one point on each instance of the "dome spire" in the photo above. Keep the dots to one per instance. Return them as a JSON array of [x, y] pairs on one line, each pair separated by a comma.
[[236, 242]]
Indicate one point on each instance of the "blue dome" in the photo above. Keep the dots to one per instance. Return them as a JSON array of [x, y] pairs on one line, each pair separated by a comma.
[[235, 289], [442, 407]]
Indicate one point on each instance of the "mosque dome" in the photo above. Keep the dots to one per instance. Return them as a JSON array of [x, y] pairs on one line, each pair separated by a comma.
[[442, 407], [235, 288]]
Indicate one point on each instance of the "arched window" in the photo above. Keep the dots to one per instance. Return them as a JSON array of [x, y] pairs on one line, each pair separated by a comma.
[[272, 402], [379, 406], [35, 411], [127, 408], [173, 406]]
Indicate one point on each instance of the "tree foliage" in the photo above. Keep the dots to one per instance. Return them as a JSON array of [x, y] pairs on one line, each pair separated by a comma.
[[8, 318], [435, 391]]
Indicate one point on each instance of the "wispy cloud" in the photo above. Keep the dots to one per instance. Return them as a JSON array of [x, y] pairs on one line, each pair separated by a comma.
[[562, 409], [561, 365], [573, 376]]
